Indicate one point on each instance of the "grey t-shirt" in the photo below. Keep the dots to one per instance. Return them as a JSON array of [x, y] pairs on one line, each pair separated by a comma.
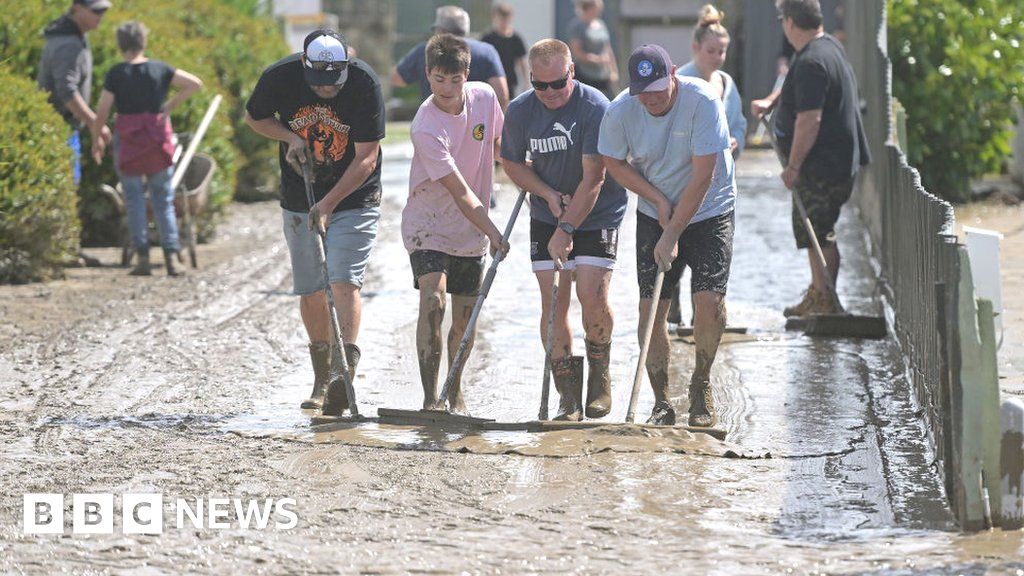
[[595, 39], [555, 141], [662, 148], [65, 67]]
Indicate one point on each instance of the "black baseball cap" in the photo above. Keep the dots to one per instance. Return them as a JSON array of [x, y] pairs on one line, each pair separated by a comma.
[[650, 69], [325, 61]]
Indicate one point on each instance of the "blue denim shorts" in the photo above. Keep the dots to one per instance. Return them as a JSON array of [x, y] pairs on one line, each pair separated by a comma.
[[351, 235]]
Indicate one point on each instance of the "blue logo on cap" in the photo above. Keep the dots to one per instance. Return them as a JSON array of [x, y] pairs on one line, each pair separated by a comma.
[[644, 68]]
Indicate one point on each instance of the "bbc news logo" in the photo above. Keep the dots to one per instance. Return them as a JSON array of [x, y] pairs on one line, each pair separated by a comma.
[[144, 513]]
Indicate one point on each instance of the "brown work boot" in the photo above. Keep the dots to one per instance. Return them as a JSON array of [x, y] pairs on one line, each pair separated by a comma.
[[569, 384], [599, 383], [336, 398], [320, 355], [663, 413], [702, 404], [825, 303], [810, 297]]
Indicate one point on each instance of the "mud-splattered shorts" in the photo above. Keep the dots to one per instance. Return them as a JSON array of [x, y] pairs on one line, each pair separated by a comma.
[[589, 247], [823, 199], [351, 235], [705, 246], [463, 274]]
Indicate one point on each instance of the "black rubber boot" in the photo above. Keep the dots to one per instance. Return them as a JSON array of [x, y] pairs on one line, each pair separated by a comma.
[[569, 384], [142, 267], [702, 405], [169, 257], [320, 355], [336, 398], [599, 382]]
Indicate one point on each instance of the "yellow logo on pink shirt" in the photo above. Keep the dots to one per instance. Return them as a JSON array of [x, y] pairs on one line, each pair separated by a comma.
[[478, 132]]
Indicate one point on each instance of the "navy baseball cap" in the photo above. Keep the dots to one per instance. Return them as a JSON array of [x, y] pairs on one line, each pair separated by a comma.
[[650, 69], [326, 58]]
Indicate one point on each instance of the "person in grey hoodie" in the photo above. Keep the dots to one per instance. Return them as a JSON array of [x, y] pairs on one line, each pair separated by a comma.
[[65, 70]]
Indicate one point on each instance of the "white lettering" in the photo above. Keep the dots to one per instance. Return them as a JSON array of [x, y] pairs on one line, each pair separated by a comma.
[[549, 144], [219, 512], [253, 510], [194, 515], [280, 508]]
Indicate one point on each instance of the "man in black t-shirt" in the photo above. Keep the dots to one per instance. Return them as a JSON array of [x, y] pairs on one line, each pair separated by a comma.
[[326, 110], [509, 44], [819, 130]]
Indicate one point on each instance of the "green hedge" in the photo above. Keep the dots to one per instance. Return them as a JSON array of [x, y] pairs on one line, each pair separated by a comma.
[[958, 65], [226, 48], [38, 224]]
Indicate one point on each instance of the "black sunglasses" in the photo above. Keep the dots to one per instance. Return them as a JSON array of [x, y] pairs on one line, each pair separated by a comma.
[[98, 11], [554, 84], [325, 66]]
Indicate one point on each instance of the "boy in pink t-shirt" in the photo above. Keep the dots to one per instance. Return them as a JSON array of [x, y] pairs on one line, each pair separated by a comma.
[[445, 224]]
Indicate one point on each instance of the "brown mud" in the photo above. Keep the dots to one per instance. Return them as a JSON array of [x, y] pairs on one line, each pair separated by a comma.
[[191, 387]]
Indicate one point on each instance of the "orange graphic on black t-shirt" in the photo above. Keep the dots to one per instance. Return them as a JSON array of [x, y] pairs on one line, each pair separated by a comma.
[[323, 132]]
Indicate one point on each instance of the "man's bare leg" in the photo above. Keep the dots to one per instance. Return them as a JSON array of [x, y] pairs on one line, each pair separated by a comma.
[[657, 359], [428, 334], [708, 326], [462, 309], [592, 290]]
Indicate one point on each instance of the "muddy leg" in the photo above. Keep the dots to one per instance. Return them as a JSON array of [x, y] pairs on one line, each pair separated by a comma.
[[657, 360], [313, 308], [428, 334], [563, 335], [462, 309], [349, 302], [592, 290], [708, 326]]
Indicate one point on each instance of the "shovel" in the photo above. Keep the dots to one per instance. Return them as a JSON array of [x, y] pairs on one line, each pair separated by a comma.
[[645, 345], [321, 236]]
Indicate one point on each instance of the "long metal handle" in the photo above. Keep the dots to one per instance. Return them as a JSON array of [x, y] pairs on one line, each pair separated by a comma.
[[803, 215], [645, 345], [545, 389], [485, 288], [335, 325]]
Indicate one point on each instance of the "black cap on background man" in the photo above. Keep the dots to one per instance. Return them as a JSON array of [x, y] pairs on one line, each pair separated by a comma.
[[324, 58]]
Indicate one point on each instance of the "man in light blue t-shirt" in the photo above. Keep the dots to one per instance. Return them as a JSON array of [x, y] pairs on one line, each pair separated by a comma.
[[575, 212], [674, 133]]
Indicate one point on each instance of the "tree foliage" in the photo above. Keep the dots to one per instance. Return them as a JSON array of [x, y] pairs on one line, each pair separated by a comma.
[[958, 67]]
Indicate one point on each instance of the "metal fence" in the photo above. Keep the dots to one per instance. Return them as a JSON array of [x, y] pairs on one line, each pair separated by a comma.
[[923, 269]]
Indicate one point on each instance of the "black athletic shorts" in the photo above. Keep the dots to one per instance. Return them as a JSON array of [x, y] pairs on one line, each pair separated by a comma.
[[464, 273], [705, 246], [589, 247], [823, 199]]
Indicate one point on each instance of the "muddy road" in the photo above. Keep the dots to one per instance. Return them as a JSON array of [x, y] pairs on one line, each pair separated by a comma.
[[190, 388]]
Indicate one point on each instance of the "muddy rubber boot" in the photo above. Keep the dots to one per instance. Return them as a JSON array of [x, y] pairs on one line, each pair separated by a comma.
[[825, 303], [702, 405], [320, 355], [169, 257], [599, 383], [800, 309], [142, 267], [663, 414], [564, 374], [336, 398]]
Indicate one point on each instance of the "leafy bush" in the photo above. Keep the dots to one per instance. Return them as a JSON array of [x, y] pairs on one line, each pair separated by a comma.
[[225, 48], [38, 223], [958, 66]]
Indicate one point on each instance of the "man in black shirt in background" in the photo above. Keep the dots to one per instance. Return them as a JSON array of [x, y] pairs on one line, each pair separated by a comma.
[[818, 127], [509, 44], [328, 111]]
